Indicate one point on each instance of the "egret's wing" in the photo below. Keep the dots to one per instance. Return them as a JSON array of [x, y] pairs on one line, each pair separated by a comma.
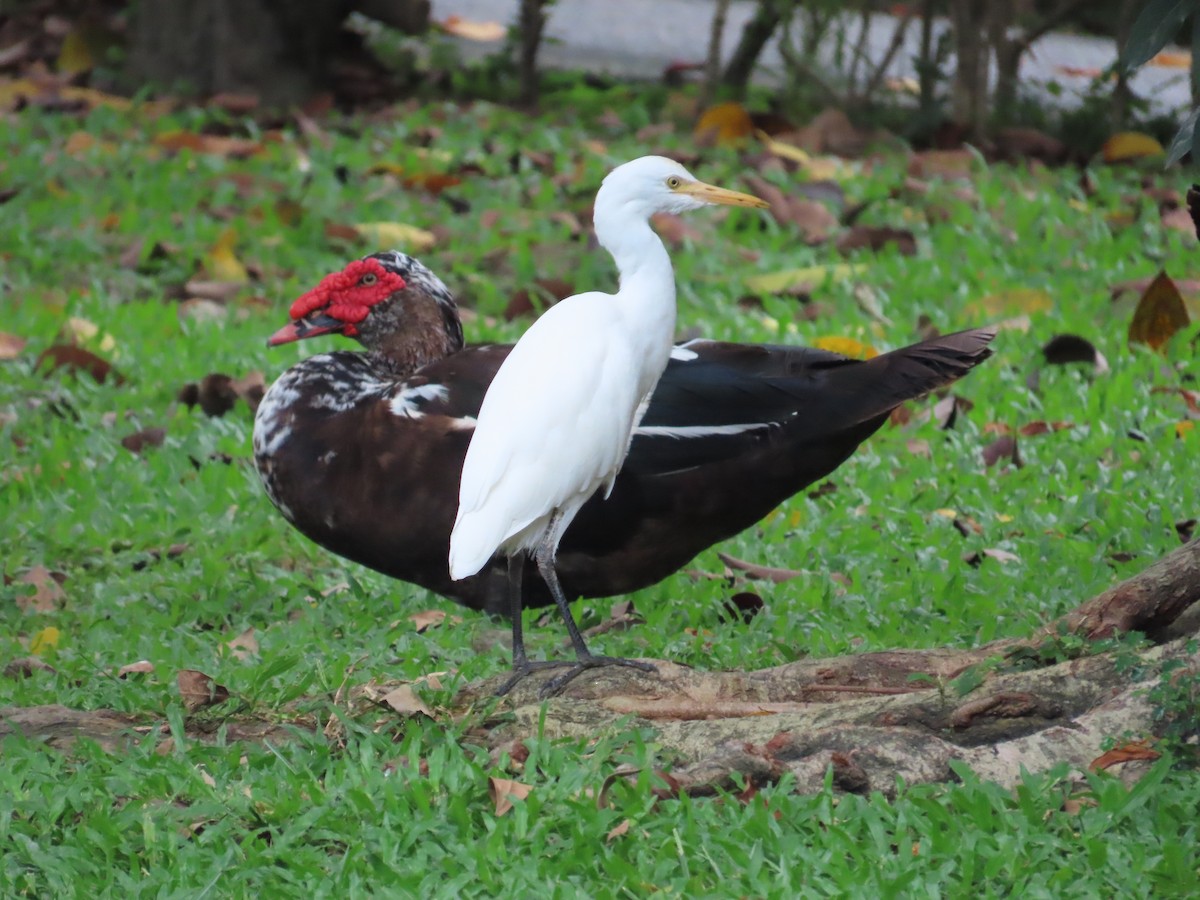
[[553, 426]]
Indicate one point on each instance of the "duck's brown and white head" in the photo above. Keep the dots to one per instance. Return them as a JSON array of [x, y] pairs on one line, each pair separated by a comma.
[[389, 302]]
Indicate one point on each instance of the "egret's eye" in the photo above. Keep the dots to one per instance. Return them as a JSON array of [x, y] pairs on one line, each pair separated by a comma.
[[368, 279], [674, 181]]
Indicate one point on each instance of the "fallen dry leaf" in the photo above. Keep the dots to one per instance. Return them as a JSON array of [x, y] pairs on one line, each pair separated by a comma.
[[1124, 753], [956, 164], [504, 790], [1071, 348], [1004, 447], [431, 618], [222, 264], [877, 237], [10, 345], [199, 690], [26, 666], [141, 667], [618, 830], [1159, 314], [232, 147], [72, 360], [405, 701], [754, 570], [48, 594], [244, 645], [140, 440], [44, 641], [1032, 429]]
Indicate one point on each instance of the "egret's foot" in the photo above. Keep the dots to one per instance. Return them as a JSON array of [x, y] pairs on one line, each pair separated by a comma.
[[574, 668], [556, 684], [525, 668]]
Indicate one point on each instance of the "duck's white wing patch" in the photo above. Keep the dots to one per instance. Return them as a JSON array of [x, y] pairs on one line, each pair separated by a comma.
[[407, 403]]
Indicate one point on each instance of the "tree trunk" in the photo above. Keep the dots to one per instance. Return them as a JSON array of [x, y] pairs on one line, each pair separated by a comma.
[[973, 53], [278, 50], [754, 38], [1014, 705], [531, 22]]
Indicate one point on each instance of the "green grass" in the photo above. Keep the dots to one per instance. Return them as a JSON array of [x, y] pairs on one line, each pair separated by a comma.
[[315, 819]]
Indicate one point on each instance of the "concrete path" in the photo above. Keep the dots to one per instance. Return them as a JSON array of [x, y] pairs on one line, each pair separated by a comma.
[[640, 38]]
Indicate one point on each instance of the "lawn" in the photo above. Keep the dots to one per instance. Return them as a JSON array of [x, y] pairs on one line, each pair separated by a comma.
[[170, 553]]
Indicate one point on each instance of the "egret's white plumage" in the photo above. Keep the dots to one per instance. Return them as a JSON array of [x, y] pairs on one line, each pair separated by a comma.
[[556, 422]]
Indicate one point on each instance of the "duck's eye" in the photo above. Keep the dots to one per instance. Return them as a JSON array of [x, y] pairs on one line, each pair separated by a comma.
[[674, 181], [368, 279]]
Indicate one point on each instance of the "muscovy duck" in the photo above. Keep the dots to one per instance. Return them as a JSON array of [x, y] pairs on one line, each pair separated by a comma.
[[362, 451]]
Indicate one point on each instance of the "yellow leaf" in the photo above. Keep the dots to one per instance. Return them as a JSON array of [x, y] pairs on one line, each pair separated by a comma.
[[1127, 145], [946, 513], [846, 347], [44, 640], [1159, 314], [725, 123], [810, 276], [222, 263], [396, 236], [795, 518], [472, 30], [75, 56], [1014, 300], [1183, 429], [782, 149]]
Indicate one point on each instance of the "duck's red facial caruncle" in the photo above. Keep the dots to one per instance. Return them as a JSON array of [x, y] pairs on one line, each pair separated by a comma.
[[340, 302]]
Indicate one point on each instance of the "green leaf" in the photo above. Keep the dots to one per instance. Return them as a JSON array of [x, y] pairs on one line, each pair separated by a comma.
[[1187, 138], [1155, 26]]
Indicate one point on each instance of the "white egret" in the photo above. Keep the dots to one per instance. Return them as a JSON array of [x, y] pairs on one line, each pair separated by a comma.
[[557, 420]]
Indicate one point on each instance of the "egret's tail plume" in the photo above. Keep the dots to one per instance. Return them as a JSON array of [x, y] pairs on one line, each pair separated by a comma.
[[471, 545]]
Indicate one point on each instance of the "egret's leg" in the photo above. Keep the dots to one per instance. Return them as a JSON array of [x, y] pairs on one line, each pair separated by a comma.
[[544, 556], [516, 565], [522, 664]]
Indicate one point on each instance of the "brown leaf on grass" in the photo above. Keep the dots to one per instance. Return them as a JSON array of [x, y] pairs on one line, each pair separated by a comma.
[[1015, 144], [957, 164], [132, 256], [1127, 752], [547, 291], [217, 145], [1188, 287], [877, 237], [405, 701], [1159, 314], [72, 360], [238, 104], [1191, 398], [744, 605], [617, 830], [244, 645], [754, 570], [216, 393], [1071, 348], [141, 667], [504, 790], [1033, 429], [431, 618], [815, 220], [673, 229], [26, 666], [1179, 220], [1001, 556], [140, 440], [10, 345], [199, 690], [216, 291], [1004, 447], [48, 594]]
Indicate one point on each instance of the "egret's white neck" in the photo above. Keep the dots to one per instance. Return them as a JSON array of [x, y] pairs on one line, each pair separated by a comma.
[[642, 261]]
